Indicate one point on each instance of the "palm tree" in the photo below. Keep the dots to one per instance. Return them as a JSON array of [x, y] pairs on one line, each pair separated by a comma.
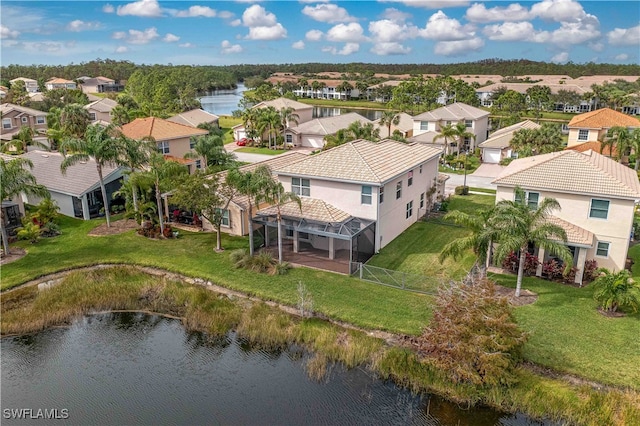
[[517, 225], [269, 122], [315, 86], [275, 194], [17, 179], [22, 140], [389, 118], [615, 290], [135, 155], [54, 127], [100, 145], [74, 120], [367, 131], [288, 116], [634, 143], [461, 134], [340, 137], [618, 138], [447, 133], [252, 184], [480, 240], [211, 149]]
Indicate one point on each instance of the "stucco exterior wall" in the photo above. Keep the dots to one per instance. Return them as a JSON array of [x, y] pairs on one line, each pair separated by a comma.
[[17, 123], [594, 135], [64, 201], [104, 116]]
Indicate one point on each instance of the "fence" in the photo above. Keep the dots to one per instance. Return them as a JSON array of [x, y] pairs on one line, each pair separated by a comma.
[[397, 279]]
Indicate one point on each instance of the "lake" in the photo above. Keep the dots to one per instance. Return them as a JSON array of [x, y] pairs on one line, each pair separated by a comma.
[[129, 368]]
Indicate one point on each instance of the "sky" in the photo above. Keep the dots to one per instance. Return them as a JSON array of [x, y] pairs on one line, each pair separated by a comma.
[[297, 31]]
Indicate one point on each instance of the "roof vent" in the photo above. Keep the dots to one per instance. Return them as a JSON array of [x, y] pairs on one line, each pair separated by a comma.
[[83, 162], [45, 155]]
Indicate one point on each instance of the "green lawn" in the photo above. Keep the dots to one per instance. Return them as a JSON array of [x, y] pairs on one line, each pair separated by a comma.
[[226, 122], [257, 150]]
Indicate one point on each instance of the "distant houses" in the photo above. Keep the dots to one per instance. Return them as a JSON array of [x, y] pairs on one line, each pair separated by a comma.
[[59, 83], [14, 117], [100, 110]]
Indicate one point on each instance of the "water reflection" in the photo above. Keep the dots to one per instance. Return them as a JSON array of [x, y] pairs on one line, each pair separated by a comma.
[[140, 369]]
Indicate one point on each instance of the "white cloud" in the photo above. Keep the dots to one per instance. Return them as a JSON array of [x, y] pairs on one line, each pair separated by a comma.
[[347, 49], [314, 35], [458, 48], [299, 45], [275, 32], [257, 16], [621, 57], [6, 32], [224, 14], [624, 36], [329, 13], [196, 11], [509, 31], [560, 57], [430, 4], [385, 31], [78, 25], [352, 32], [391, 48], [108, 8], [170, 38], [479, 13], [187, 45], [122, 49], [395, 15], [236, 23], [142, 8], [558, 10], [442, 28], [577, 32], [137, 37], [228, 48], [580, 32]]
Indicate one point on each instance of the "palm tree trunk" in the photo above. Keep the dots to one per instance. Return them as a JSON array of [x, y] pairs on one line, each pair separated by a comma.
[[251, 248], [5, 235], [637, 161], [523, 256], [134, 195], [159, 204], [105, 200], [280, 257], [218, 238]]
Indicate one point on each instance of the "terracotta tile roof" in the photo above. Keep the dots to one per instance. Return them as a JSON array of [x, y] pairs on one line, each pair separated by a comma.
[[575, 234], [604, 118], [313, 209], [363, 161], [159, 129], [194, 117], [455, 112], [502, 138], [595, 146], [178, 159], [572, 171]]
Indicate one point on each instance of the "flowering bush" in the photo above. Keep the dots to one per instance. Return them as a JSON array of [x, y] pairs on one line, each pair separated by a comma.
[[512, 261]]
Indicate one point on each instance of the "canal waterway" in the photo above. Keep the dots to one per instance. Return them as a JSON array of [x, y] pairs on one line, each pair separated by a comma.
[[128, 368]]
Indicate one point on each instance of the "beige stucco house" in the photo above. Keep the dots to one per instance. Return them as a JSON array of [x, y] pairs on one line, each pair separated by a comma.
[[303, 111], [498, 146], [59, 83], [356, 198], [100, 110], [597, 198], [173, 139], [195, 117], [312, 133], [593, 126], [30, 84], [14, 117]]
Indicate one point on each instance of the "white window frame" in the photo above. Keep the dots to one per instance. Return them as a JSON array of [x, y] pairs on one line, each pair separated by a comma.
[[226, 218], [591, 209], [527, 195], [7, 123], [468, 124], [299, 188], [198, 164], [92, 116], [192, 143], [288, 138], [381, 195], [24, 119], [398, 190], [608, 248], [366, 195], [583, 135], [41, 119], [410, 178], [163, 147], [424, 125], [422, 200], [420, 168], [409, 210]]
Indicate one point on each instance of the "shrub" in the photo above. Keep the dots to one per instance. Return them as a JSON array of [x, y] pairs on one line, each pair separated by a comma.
[[570, 276], [474, 336], [238, 257], [261, 262], [51, 229], [46, 212], [168, 231], [461, 190], [506, 161], [30, 231], [616, 290], [552, 269], [512, 262], [281, 268], [590, 270]]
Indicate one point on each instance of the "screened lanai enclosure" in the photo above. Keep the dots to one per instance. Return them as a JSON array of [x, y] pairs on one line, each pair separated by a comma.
[[320, 235]]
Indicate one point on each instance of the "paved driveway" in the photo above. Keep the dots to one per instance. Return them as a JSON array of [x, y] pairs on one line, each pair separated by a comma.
[[481, 178]]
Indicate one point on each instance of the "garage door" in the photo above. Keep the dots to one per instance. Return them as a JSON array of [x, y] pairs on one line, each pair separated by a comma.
[[312, 141], [491, 155]]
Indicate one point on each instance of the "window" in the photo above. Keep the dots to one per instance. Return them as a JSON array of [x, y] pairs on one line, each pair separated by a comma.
[[40, 119], [25, 119], [420, 168], [599, 209], [410, 180], [225, 217], [398, 190], [448, 123], [198, 164], [532, 199], [163, 147], [381, 194], [583, 134], [92, 116], [365, 196], [468, 123], [424, 125], [192, 143], [6, 123], [409, 210], [289, 139], [602, 249], [301, 187], [422, 200]]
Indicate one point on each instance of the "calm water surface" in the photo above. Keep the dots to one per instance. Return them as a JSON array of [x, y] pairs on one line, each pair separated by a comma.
[[147, 370]]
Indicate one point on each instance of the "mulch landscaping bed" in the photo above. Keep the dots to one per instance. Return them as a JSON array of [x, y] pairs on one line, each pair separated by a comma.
[[117, 227]]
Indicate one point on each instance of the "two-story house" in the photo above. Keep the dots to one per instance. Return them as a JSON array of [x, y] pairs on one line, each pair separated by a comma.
[[100, 110], [30, 84], [173, 139], [597, 199], [303, 111], [14, 117], [59, 83], [475, 119], [100, 85], [593, 126], [498, 146], [356, 198]]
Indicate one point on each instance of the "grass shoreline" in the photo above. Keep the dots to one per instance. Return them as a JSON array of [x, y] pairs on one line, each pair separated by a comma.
[[125, 288]]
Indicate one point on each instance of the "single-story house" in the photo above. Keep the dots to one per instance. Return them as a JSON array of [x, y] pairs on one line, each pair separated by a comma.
[[498, 146], [303, 111], [195, 117], [312, 133], [597, 198]]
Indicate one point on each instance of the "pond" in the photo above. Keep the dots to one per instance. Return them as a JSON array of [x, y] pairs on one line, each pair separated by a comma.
[[129, 368]]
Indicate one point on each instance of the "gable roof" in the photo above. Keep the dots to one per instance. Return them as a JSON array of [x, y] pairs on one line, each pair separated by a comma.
[[363, 161], [7, 107], [280, 103], [58, 80], [604, 118], [159, 129], [595, 146], [102, 105], [427, 137], [455, 112], [311, 209], [78, 180], [572, 171], [502, 138], [194, 117], [329, 125]]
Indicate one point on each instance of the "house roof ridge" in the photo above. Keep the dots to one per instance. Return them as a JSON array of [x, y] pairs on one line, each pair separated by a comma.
[[551, 156], [589, 158], [353, 144]]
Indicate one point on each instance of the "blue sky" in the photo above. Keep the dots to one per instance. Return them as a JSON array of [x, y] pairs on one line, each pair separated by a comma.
[[379, 31]]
